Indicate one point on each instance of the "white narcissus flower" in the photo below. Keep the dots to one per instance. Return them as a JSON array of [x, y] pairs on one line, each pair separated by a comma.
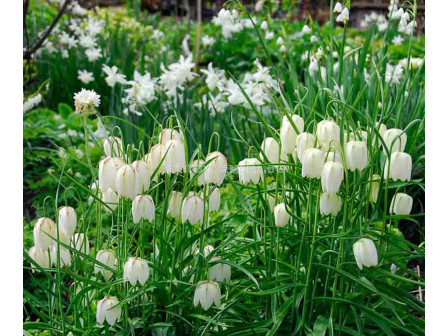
[[113, 146], [168, 134], [197, 168], [108, 309], [136, 270], [304, 141], [216, 168], [344, 16], [85, 76], [113, 76], [401, 204], [313, 163], [86, 101], [332, 176], [81, 243], [337, 8], [288, 134], [154, 160], [328, 134], [192, 209], [107, 173], [40, 257], [108, 258], [174, 153], [214, 200], [143, 207], [330, 204], [374, 188], [127, 181], [111, 198], [281, 216], [207, 293], [219, 272], [93, 54], [249, 170], [143, 173], [43, 232], [365, 253], [67, 220], [174, 206], [356, 155], [400, 167], [395, 140]]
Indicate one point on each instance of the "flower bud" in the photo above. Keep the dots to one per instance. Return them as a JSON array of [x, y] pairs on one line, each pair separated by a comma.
[[154, 161], [40, 257], [113, 146], [216, 168], [175, 203], [168, 134], [328, 133], [214, 200], [196, 167], [219, 272], [43, 232], [111, 198], [108, 309], [107, 258], [330, 204], [128, 184], [174, 153], [281, 216], [67, 220], [400, 167], [208, 249], [374, 188], [313, 163], [64, 254], [304, 141], [207, 293], [136, 269], [143, 207], [81, 243], [365, 253], [356, 155], [288, 134], [401, 204], [395, 140], [107, 175], [332, 176], [271, 149], [143, 173], [249, 170], [192, 209]]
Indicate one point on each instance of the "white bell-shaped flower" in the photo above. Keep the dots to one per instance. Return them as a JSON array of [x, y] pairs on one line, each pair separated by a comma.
[[197, 168], [175, 203], [401, 204], [356, 155], [328, 134], [207, 293], [108, 258], [107, 174], [304, 141], [288, 134], [40, 257], [111, 198], [136, 270], [67, 220], [143, 207], [43, 232], [168, 134], [249, 170], [400, 167], [214, 200], [365, 253], [330, 204], [219, 272], [143, 173], [337, 8], [108, 309], [65, 257], [192, 209], [127, 181], [374, 188], [81, 243], [332, 176], [174, 153], [216, 168], [113, 146], [313, 163], [154, 161], [281, 216], [271, 149], [395, 140], [344, 16]]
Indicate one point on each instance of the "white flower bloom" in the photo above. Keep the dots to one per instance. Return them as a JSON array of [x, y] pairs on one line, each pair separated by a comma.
[[81, 243], [269, 35], [330, 204], [154, 160], [208, 249], [219, 272], [43, 232], [177, 75], [332, 176], [214, 200], [328, 134], [395, 140], [337, 8], [215, 78], [207, 40], [344, 16], [281, 216], [216, 168], [271, 149], [87, 41], [400, 167], [107, 173], [68, 41], [401, 204], [174, 206], [143, 207], [280, 41], [108, 258], [207, 293], [313, 163], [374, 188], [196, 167], [86, 100], [136, 270], [283, 49], [249, 170], [111, 198], [288, 133], [314, 39], [174, 153], [31, 102], [113, 76], [314, 66], [365, 253], [67, 220], [93, 54], [168, 134], [65, 258], [229, 21], [192, 209], [356, 155], [264, 25], [304, 141], [143, 173], [398, 40], [113, 146], [306, 30], [85, 76], [127, 182], [394, 73], [40, 257], [108, 309]]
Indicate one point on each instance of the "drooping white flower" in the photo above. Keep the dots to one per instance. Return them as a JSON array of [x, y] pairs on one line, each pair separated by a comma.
[[174, 153], [207, 293], [344, 16], [365, 253], [229, 21], [208, 249], [400, 167], [337, 8], [86, 101], [113, 76], [107, 173], [401, 204], [219, 272], [249, 170], [288, 133], [143, 207], [395, 140], [67, 220], [43, 232], [108, 258], [136, 270], [143, 173], [214, 200], [108, 309], [328, 134], [168, 134], [281, 216], [127, 181], [175, 203], [330, 204], [65, 258], [111, 198], [306, 30], [85, 76], [216, 168], [356, 155], [197, 168], [314, 66], [374, 188], [304, 141], [81, 243], [40, 257], [332, 176], [192, 209], [313, 163], [113, 146], [154, 160], [271, 149]]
